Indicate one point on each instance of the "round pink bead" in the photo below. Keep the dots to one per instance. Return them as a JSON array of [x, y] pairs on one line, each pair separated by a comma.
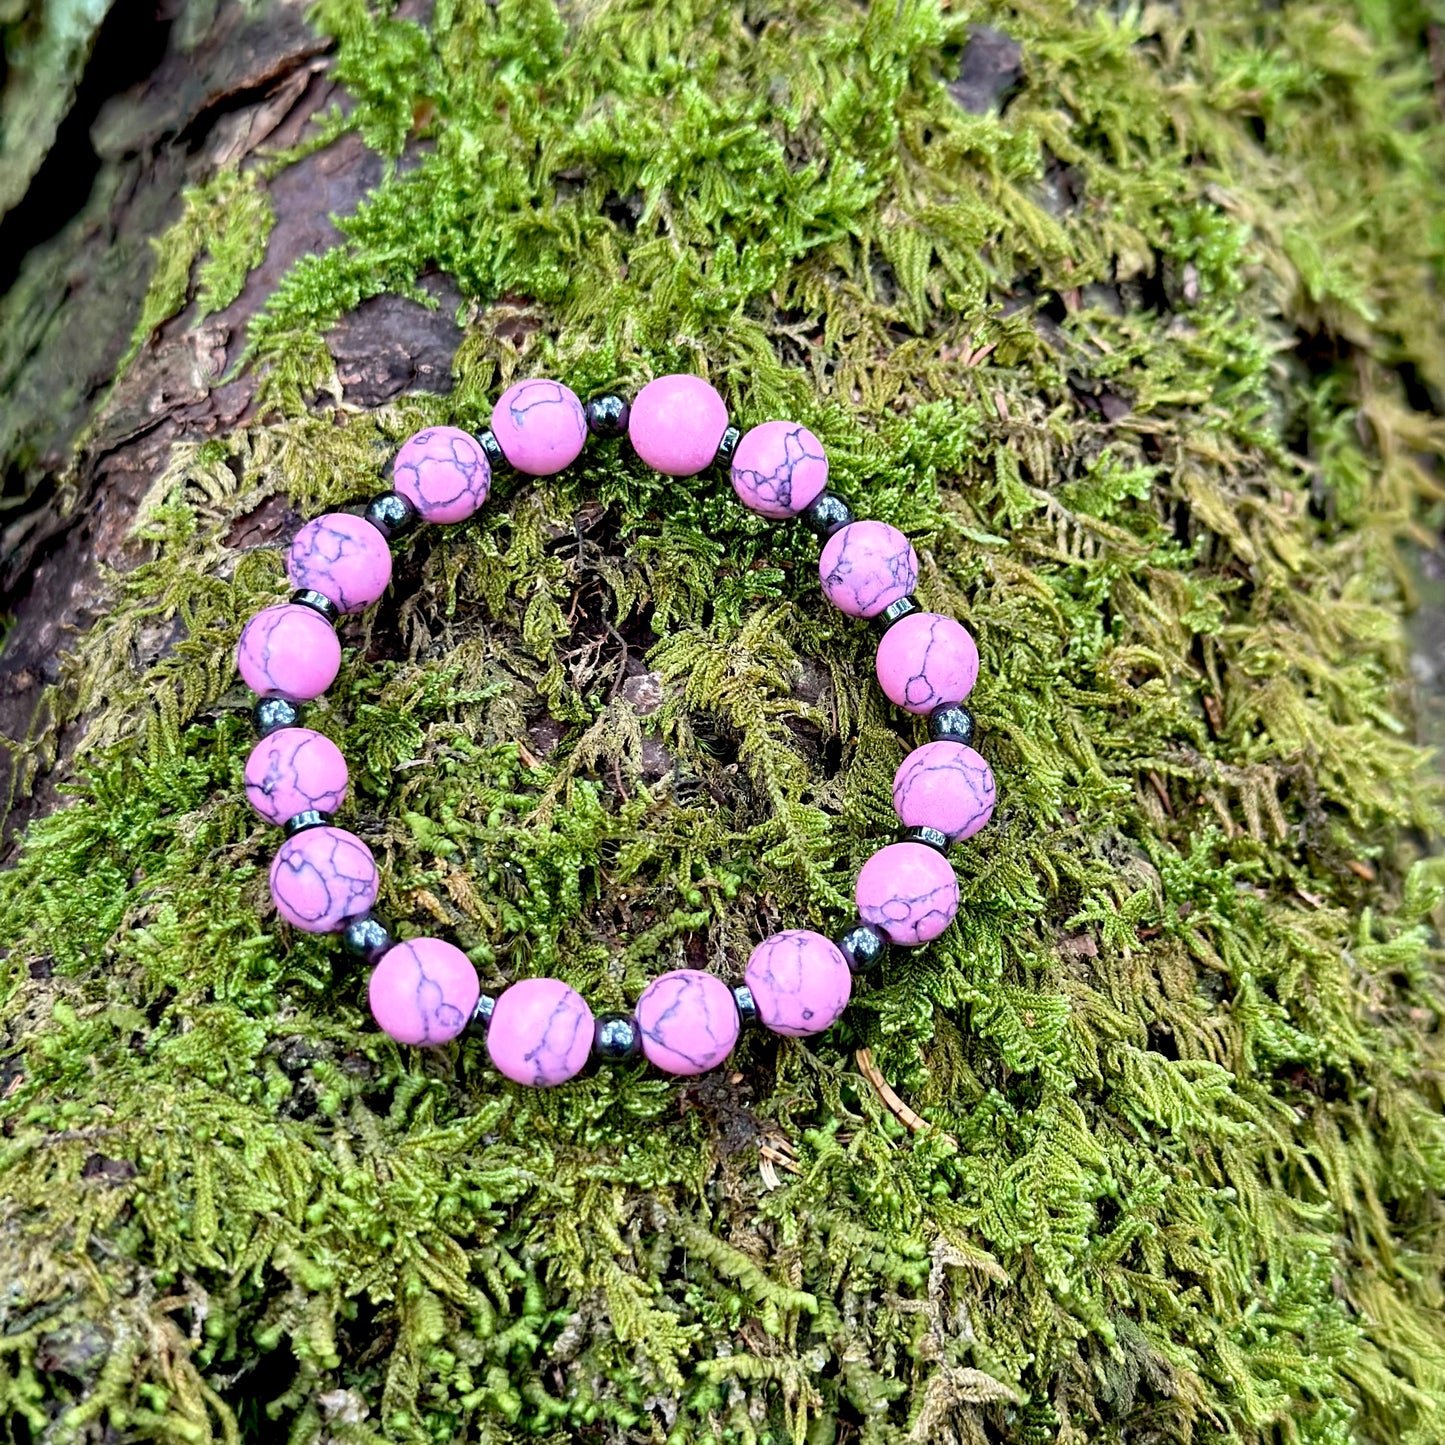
[[909, 891], [295, 770], [865, 566], [342, 557], [540, 426], [540, 1032], [443, 473], [946, 786], [779, 469], [688, 1021], [926, 660], [321, 878], [288, 650], [799, 981], [676, 424], [423, 992]]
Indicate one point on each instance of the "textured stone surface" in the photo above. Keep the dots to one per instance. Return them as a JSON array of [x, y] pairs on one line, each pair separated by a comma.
[[926, 660], [289, 650], [442, 473], [292, 771], [322, 877], [800, 982], [944, 785], [423, 992], [540, 426], [540, 1033], [342, 557], [865, 566], [778, 469], [689, 1021], [676, 424], [908, 890]]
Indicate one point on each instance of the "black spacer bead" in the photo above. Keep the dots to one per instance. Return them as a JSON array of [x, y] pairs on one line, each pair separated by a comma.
[[391, 514], [607, 416], [930, 836], [492, 450], [303, 822], [271, 714], [481, 1018], [896, 611], [727, 446], [952, 723], [826, 515], [616, 1038], [317, 602], [747, 1004], [366, 938], [862, 945]]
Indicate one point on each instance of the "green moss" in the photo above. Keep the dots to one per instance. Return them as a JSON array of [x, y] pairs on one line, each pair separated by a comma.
[[1181, 1051]]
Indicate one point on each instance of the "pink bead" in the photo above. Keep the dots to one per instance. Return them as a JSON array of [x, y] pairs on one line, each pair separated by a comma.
[[290, 651], [779, 469], [926, 660], [295, 770], [540, 426], [865, 566], [443, 473], [688, 1021], [342, 557], [321, 878], [944, 785], [423, 992], [676, 424], [540, 1032], [909, 891], [799, 981]]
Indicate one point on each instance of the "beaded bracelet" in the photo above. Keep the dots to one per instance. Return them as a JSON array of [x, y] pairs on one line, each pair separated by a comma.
[[539, 1031]]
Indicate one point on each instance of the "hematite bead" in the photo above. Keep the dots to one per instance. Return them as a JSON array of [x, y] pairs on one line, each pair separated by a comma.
[[862, 945], [492, 450], [894, 612], [366, 938], [727, 446], [317, 602], [302, 821], [951, 723], [616, 1038], [391, 514], [270, 714], [930, 836], [826, 515], [607, 416], [481, 1018], [747, 1004]]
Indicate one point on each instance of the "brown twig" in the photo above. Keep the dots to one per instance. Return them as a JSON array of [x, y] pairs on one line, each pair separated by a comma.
[[896, 1106]]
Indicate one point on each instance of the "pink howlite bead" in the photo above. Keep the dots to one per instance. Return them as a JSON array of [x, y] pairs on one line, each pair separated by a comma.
[[295, 770], [688, 1021], [865, 566], [779, 469], [321, 878], [290, 651], [926, 660], [947, 786], [676, 424], [343, 558], [423, 992], [443, 473], [540, 1032], [909, 891], [540, 426], [800, 982]]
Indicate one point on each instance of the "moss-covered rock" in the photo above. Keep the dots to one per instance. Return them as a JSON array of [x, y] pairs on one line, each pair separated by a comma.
[[1145, 362]]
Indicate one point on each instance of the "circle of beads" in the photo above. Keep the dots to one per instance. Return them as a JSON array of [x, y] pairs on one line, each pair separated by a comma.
[[540, 1031]]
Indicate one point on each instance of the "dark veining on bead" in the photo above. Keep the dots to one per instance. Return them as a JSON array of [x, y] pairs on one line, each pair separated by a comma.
[[919, 690], [347, 893], [775, 488], [607, 416], [825, 515], [975, 772], [271, 714], [870, 577], [391, 514], [537, 395], [951, 723], [681, 986], [366, 938], [862, 946], [433, 1009], [783, 963], [550, 1055], [472, 476], [904, 916], [285, 762], [258, 637], [322, 555]]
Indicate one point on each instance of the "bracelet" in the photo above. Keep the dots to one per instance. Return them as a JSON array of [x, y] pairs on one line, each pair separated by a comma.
[[539, 1031]]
